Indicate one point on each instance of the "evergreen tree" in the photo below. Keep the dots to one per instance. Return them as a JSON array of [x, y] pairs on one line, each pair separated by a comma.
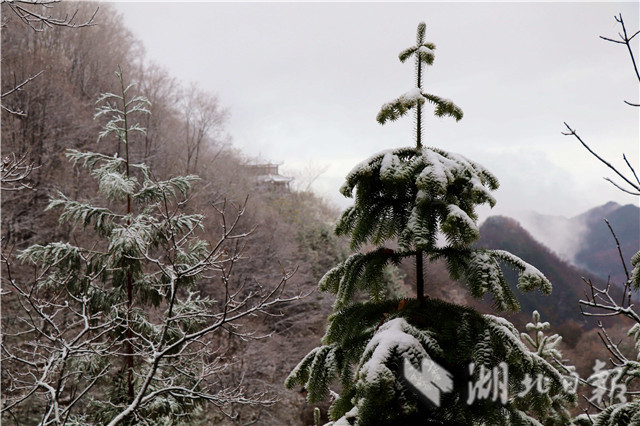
[[116, 331], [415, 198]]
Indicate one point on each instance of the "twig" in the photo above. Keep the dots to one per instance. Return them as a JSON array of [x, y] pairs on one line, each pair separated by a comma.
[[15, 172], [38, 21], [572, 132], [626, 40], [624, 157], [624, 265]]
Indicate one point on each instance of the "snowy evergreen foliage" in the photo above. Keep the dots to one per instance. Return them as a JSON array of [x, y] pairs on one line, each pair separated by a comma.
[[126, 331], [423, 201], [635, 273], [611, 382], [547, 348]]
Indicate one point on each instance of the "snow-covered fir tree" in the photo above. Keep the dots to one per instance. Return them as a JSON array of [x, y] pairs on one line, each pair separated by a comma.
[[115, 330], [419, 203]]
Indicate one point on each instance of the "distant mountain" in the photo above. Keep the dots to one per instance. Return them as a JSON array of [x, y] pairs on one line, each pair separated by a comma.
[[599, 253], [590, 217], [562, 235], [561, 307], [585, 240]]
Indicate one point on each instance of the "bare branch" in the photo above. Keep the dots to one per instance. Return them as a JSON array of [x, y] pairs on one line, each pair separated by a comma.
[[26, 11], [572, 132], [626, 40], [18, 87], [621, 188], [624, 157], [627, 284], [15, 172]]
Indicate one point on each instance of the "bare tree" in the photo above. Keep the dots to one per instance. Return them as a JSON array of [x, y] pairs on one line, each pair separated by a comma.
[[56, 107], [631, 183], [204, 119], [599, 302], [306, 176], [59, 353], [36, 14], [163, 92]]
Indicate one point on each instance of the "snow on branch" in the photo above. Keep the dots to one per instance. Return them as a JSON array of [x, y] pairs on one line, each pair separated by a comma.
[[394, 339], [35, 14], [15, 172]]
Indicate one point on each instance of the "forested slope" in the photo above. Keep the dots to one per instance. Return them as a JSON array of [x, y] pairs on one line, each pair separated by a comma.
[[65, 70]]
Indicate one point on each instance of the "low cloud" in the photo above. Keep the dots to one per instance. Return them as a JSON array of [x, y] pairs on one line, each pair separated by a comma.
[[563, 236]]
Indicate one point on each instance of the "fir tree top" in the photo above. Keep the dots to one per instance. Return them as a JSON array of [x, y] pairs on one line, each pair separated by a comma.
[[416, 195], [424, 54]]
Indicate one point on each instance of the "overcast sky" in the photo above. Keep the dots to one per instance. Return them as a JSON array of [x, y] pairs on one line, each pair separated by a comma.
[[304, 82]]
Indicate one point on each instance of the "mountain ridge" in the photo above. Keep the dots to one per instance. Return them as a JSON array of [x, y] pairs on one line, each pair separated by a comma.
[[504, 233], [585, 240]]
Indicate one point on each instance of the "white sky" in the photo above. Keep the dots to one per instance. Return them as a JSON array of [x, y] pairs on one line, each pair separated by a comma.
[[304, 82]]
